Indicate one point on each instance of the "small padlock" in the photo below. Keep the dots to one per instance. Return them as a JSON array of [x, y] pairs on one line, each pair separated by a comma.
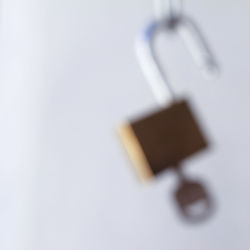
[[165, 137], [162, 139]]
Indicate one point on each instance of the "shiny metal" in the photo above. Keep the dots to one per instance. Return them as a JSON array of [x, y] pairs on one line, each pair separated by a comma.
[[150, 64]]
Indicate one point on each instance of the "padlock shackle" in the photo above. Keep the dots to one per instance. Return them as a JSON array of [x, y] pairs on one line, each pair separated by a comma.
[[150, 63]]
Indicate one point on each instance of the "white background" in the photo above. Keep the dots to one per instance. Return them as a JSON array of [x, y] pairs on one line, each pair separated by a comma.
[[68, 78]]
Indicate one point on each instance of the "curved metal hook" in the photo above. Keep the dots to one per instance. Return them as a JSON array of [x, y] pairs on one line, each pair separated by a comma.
[[150, 64]]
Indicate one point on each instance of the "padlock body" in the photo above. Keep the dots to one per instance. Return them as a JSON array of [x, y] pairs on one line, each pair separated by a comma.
[[163, 138]]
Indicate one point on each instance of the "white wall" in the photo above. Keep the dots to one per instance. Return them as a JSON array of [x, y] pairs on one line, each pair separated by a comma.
[[69, 76]]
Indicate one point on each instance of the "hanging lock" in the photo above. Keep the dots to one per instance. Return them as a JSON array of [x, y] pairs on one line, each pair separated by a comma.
[[164, 138], [167, 136]]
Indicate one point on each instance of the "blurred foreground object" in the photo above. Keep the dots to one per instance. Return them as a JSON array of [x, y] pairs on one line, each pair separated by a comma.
[[163, 139]]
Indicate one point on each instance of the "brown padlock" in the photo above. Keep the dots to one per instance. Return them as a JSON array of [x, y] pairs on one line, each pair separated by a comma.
[[162, 139], [167, 136]]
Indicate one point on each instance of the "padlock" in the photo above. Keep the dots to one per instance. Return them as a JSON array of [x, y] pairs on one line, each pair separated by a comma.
[[162, 139], [167, 136]]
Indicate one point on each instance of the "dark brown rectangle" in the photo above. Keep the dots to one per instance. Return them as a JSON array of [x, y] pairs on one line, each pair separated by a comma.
[[169, 136]]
